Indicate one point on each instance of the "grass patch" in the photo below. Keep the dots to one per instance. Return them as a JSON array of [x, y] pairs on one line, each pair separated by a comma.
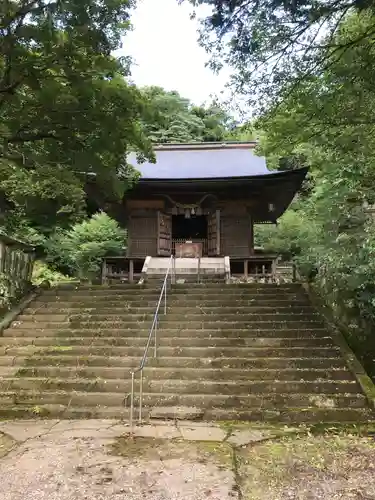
[[325, 466], [163, 449]]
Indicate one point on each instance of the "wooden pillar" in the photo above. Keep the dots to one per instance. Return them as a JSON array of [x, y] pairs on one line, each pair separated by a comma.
[[218, 249], [128, 237], [104, 272], [131, 271], [251, 236], [246, 268]]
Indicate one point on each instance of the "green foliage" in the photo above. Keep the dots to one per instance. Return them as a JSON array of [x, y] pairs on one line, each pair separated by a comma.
[[172, 118], [273, 46], [80, 250], [244, 132], [292, 236], [42, 273], [67, 109], [15, 223], [328, 124], [6, 293]]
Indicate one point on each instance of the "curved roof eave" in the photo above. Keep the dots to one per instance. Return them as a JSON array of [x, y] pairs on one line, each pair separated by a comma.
[[299, 172]]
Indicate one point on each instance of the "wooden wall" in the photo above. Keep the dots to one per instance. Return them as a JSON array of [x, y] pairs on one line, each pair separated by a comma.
[[142, 233], [236, 230]]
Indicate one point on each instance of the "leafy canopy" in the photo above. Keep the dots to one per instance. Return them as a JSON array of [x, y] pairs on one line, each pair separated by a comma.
[[173, 118], [329, 120], [66, 108], [275, 44]]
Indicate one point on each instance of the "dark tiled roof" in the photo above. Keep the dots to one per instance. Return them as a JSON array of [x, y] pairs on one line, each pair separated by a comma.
[[202, 163]]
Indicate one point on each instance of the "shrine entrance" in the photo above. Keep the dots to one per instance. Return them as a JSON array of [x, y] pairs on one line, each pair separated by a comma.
[[193, 228], [200, 233]]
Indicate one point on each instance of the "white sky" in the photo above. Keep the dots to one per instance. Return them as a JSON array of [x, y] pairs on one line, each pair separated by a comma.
[[166, 52]]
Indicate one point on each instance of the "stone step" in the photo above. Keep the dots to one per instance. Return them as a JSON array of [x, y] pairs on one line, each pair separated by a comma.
[[69, 287], [244, 316], [101, 290], [136, 286], [290, 416], [177, 362], [172, 305], [293, 416], [206, 324], [170, 317], [8, 371], [171, 302], [122, 297], [171, 308], [143, 331], [294, 286], [255, 287], [251, 401], [175, 291], [7, 360], [93, 325], [244, 288], [25, 411], [112, 372], [194, 352], [223, 387], [84, 316], [141, 340]]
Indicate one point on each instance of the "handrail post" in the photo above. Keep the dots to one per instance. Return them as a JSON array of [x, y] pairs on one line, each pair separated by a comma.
[[156, 336], [132, 404], [140, 396], [153, 331], [165, 299]]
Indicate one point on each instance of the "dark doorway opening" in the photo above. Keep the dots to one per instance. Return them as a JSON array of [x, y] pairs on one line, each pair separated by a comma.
[[193, 228]]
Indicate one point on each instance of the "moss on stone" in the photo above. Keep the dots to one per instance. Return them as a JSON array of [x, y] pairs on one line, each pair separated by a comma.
[[368, 388], [7, 444], [168, 449]]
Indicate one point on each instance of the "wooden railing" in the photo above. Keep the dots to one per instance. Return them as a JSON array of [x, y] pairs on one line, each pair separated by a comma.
[[16, 268]]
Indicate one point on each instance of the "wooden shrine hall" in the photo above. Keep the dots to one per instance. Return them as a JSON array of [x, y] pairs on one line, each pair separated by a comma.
[[203, 200], [211, 194]]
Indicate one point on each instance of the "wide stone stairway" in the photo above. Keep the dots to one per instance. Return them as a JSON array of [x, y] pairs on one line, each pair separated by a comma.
[[257, 352]]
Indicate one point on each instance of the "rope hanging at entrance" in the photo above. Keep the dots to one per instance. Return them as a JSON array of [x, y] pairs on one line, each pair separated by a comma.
[[189, 206]]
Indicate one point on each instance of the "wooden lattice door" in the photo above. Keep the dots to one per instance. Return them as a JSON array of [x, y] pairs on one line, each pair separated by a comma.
[[213, 233], [164, 234]]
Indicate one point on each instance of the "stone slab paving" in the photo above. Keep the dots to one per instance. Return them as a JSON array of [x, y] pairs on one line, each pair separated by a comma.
[[99, 460], [181, 460]]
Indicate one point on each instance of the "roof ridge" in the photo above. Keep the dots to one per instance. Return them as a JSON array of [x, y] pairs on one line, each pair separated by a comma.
[[206, 145]]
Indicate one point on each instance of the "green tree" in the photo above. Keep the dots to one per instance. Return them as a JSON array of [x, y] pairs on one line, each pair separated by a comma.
[[79, 250], [216, 121], [66, 109], [172, 118], [274, 45], [329, 122]]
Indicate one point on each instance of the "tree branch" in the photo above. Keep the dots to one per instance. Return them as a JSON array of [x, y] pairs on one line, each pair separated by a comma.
[[34, 138]]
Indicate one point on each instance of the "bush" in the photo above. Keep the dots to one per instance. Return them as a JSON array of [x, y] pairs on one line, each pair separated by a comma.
[[289, 238], [42, 272], [80, 250]]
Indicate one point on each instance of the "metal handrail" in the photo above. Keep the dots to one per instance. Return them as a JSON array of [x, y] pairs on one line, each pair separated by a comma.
[[153, 332]]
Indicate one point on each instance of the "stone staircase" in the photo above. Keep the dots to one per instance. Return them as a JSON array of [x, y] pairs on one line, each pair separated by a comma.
[[186, 270], [256, 352]]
